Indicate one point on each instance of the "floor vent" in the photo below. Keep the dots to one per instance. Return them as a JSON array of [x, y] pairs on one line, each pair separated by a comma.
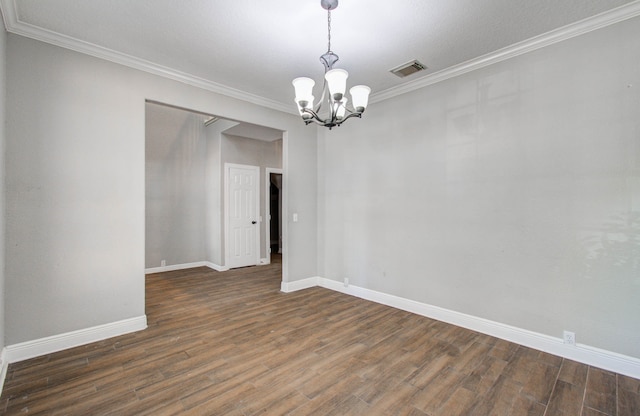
[[408, 69]]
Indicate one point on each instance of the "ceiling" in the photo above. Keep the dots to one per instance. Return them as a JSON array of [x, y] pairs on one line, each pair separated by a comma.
[[253, 49], [253, 131]]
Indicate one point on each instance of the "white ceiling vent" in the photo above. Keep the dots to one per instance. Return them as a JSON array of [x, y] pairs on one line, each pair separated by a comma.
[[408, 69]]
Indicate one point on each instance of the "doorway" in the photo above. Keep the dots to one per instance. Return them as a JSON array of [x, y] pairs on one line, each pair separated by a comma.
[[273, 214]]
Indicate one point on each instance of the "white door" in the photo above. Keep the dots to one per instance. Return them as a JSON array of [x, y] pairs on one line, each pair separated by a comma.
[[242, 215]]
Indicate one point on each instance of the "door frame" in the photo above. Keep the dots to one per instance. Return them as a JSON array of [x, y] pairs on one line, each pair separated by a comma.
[[267, 211], [227, 168]]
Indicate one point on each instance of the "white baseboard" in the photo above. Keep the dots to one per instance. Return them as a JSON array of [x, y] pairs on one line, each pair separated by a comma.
[[586, 354], [4, 365], [288, 287], [48, 345], [184, 266], [173, 267], [216, 267]]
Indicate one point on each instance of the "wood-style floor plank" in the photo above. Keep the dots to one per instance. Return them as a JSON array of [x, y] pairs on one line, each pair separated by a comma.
[[232, 344]]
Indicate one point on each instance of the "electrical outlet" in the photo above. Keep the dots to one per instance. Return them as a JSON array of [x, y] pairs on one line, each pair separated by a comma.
[[163, 263], [346, 282], [569, 337]]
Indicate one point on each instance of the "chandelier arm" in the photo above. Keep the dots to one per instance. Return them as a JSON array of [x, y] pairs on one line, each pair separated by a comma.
[[329, 123], [351, 111], [323, 123], [336, 123], [353, 114], [314, 116], [321, 100]]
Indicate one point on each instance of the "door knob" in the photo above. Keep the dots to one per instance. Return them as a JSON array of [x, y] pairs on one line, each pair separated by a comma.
[[253, 222]]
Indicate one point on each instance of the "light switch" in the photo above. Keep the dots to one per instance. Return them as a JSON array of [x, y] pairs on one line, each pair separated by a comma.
[[295, 217]]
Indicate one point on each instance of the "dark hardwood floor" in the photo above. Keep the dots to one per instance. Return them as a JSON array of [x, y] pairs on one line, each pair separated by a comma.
[[232, 343]]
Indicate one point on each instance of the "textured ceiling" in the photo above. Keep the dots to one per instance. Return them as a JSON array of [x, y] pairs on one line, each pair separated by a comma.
[[258, 47]]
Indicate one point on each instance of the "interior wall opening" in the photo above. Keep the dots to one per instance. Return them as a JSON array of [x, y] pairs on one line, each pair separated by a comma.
[[185, 156]]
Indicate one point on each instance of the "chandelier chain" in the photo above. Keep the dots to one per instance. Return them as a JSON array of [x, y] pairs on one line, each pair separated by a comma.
[[329, 30]]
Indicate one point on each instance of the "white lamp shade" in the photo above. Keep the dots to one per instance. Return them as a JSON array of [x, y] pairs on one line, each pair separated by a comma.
[[337, 80], [341, 108], [304, 89], [360, 97]]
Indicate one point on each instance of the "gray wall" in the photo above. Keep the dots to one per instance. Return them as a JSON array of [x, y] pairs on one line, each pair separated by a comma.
[[214, 224], [3, 106], [76, 191], [511, 193], [175, 153]]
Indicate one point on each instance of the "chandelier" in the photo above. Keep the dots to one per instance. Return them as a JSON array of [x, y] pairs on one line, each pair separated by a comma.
[[333, 89]]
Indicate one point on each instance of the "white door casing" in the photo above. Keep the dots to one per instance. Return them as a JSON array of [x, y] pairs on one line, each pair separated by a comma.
[[242, 215]]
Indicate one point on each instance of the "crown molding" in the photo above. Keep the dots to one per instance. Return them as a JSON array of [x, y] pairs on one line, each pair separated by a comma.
[[590, 24], [14, 25]]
